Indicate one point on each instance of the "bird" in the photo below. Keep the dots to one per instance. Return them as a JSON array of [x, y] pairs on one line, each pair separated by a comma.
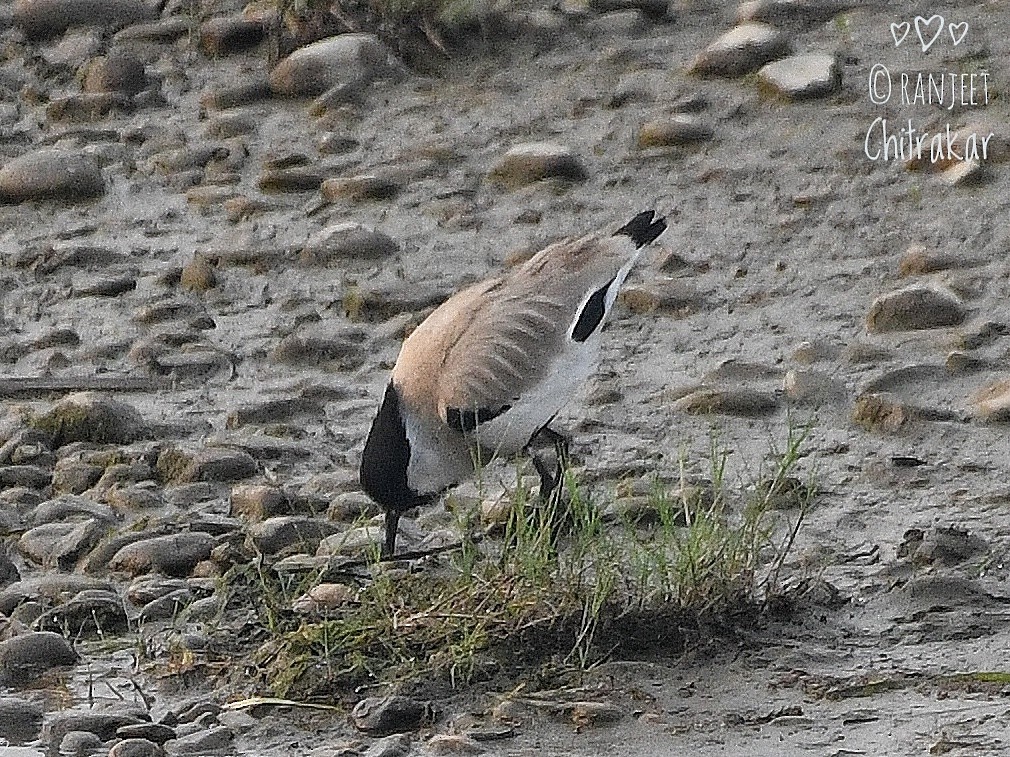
[[484, 375]]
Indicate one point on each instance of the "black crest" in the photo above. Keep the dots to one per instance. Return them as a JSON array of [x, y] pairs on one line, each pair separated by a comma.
[[383, 473], [592, 314], [468, 420], [642, 228]]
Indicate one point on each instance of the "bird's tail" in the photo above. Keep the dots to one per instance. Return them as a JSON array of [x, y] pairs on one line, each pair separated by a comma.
[[643, 228]]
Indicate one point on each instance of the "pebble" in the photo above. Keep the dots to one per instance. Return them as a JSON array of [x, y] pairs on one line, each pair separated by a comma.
[[529, 162], [207, 464], [160, 32], [879, 412], [917, 260], [50, 174], [79, 744], [291, 533], [118, 71], [802, 76], [743, 49], [275, 411], [347, 241], [205, 741], [682, 129], [991, 404], [257, 502], [24, 658], [53, 587], [325, 598], [918, 306], [43, 19], [20, 720], [741, 402], [172, 555], [251, 91], [359, 188], [322, 345], [391, 714], [230, 34], [91, 611], [354, 541], [786, 12], [315, 68], [61, 545], [136, 748], [389, 746], [91, 417], [156, 732]]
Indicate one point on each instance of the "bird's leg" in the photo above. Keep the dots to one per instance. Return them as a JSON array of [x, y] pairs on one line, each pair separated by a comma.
[[560, 442], [392, 523]]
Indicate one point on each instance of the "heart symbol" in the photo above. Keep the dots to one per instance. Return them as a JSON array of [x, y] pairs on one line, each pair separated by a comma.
[[954, 30], [921, 23], [900, 29]]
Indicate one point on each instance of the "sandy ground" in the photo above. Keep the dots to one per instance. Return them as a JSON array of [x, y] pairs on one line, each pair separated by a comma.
[[788, 232]]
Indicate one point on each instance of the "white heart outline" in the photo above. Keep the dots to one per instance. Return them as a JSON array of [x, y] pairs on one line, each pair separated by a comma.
[[903, 27], [927, 22], [962, 27]]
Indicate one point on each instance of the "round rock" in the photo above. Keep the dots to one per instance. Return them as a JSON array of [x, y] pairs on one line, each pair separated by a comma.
[[919, 306], [20, 720], [41, 19], [529, 162], [116, 72], [24, 658], [802, 76], [343, 241], [91, 417], [50, 174], [741, 50], [173, 555], [330, 62], [676, 130]]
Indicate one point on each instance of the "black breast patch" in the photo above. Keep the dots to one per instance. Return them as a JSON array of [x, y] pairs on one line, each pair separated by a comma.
[[592, 314]]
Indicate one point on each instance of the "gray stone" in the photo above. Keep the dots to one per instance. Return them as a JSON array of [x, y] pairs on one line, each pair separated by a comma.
[[202, 742], [24, 658], [359, 188], [288, 532], [79, 744], [674, 130], [315, 68], [53, 587], [156, 732], [28, 476], [322, 344], [919, 306], [792, 12], [93, 611], [51, 174], [741, 50], [208, 464], [91, 417], [102, 724], [389, 746], [231, 34], [392, 714], [20, 720], [118, 71], [529, 162], [60, 545], [134, 747], [275, 411], [41, 19], [172, 555], [347, 241], [802, 76]]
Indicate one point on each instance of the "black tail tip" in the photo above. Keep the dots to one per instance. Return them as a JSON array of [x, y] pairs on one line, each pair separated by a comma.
[[643, 228]]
